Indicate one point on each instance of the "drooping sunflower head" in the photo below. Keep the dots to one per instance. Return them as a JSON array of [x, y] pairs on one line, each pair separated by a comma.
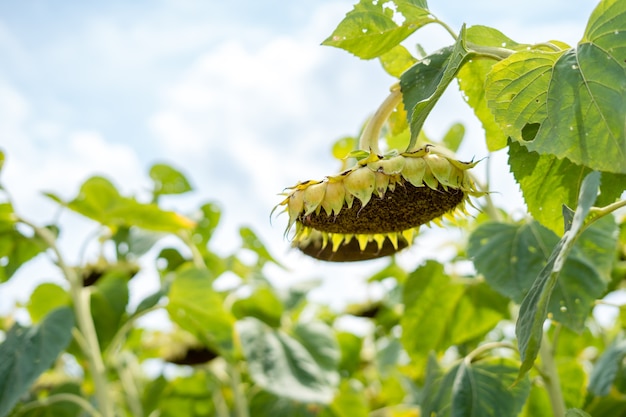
[[375, 208]]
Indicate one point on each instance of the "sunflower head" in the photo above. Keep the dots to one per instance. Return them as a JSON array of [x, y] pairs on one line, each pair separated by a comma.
[[375, 208]]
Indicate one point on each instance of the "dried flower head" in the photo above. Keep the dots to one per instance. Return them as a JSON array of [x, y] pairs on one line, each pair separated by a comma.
[[375, 208]]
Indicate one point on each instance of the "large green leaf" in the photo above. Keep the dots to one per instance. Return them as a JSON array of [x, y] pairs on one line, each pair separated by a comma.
[[301, 366], [511, 256], [371, 28], [472, 81], [534, 307], [29, 351], [440, 312], [486, 388], [99, 200], [482, 388], [570, 104], [423, 84], [196, 307], [548, 182]]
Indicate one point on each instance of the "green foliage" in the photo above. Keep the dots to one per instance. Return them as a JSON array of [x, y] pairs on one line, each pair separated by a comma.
[[27, 352], [301, 366], [438, 341]]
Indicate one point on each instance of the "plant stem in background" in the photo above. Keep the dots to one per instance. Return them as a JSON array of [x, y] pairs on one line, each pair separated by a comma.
[[81, 298], [550, 377]]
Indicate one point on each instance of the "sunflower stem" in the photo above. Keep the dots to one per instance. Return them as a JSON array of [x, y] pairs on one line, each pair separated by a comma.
[[371, 134], [82, 308]]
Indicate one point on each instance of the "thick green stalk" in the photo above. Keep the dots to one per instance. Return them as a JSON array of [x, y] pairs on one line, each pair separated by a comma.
[[550, 376], [81, 298], [371, 134]]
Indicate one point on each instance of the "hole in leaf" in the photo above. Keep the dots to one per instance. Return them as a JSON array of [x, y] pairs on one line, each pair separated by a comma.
[[529, 131]]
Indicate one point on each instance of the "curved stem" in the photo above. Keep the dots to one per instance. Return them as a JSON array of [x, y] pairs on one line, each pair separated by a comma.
[[485, 348], [446, 27], [597, 213], [548, 45], [371, 133], [82, 309], [121, 333], [494, 52], [56, 398]]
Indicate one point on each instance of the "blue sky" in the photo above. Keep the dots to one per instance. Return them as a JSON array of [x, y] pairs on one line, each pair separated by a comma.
[[239, 95]]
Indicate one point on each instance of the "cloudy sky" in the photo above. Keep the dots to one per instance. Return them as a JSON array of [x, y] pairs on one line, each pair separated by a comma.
[[237, 94]]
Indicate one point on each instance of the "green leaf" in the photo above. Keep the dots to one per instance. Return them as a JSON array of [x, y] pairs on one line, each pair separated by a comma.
[[267, 404], [538, 402], [397, 60], [187, 396], [252, 242], [511, 256], [196, 307], [548, 182], [350, 401], [168, 180], [605, 369], [302, 367], [108, 305], [576, 412], [444, 313], [534, 307], [99, 200], [516, 90], [149, 301], [486, 388], [45, 298], [472, 81], [343, 146], [262, 303], [430, 298], [436, 396], [350, 345], [15, 248], [569, 104], [573, 378], [482, 388], [28, 351], [424, 83], [371, 28], [453, 137]]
